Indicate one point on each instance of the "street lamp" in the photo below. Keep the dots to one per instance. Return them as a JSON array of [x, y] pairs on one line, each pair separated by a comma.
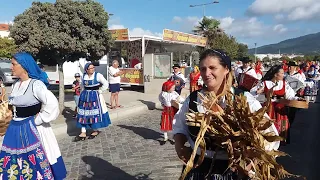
[[204, 6], [255, 52]]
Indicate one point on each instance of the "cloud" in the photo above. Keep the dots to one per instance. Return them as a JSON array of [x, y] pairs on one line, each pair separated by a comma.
[[139, 32], [176, 19], [6, 22], [116, 26], [286, 9], [246, 27], [280, 28]]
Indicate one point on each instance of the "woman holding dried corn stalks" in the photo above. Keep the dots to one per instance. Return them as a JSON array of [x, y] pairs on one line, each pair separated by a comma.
[[215, 68], [166, 97], [274, 78], [30, 149]]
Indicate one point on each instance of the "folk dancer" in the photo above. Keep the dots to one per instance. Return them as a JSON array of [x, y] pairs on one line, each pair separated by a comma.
[[30, 149], [168, 95], [299, 89], [259, 70], [274, 78], [215, 79], [245, 69], [92, 109], [195, 80], [178, 78]]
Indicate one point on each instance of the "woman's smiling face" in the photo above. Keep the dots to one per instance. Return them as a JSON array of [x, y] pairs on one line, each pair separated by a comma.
[[212, 72]]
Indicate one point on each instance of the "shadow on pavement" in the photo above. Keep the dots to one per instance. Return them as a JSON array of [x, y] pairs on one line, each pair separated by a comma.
[[101, 169], [72, 130], [151, 105], [144, 132], [305, 146]]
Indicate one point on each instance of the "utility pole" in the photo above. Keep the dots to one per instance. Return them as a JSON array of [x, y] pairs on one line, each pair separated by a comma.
[[255, 52], [204, 6]]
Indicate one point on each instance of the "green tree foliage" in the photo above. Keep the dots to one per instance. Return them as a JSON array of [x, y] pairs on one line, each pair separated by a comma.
[[218, 39], [242, 50], [266, 59], [63, 31], [7, 47]]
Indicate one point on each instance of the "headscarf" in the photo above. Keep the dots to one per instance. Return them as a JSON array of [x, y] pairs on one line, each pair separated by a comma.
[[86, 67], [166, 86], [196, 68], [30, 65]]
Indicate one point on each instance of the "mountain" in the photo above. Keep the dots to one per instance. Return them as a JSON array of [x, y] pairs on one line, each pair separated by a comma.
[[308, 44]]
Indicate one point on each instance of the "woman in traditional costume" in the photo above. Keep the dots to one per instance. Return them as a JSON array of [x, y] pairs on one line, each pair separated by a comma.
[[92, 109], [195, 80], [215, 68], [30, 149], [278, 112], [168, 95]]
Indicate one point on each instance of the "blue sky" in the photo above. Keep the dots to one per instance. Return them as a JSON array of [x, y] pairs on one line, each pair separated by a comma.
[[250, 21]]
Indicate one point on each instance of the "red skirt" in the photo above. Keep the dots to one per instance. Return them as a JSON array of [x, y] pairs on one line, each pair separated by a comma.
[[167, 118], [278, 114]]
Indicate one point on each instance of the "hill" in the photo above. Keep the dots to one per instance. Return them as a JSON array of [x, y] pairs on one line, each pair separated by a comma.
[[308, 44]]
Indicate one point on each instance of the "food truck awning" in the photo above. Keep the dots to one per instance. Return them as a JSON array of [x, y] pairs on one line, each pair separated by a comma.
[[169, 36]]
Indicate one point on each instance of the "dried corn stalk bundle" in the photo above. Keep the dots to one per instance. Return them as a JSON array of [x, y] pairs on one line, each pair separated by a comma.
[[243, 134], [5, 117]]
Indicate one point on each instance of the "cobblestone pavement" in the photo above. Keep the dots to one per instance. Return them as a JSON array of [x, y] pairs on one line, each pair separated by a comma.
[[127, 150]]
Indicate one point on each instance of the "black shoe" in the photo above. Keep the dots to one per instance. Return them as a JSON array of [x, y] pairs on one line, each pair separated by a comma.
[[78, 138], [93, 136]]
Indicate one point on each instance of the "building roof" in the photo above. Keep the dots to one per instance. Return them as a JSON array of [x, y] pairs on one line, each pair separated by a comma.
[[4, 27]]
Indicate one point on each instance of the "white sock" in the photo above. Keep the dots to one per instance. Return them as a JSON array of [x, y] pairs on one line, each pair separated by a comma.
[[165, 134], [83, 130]]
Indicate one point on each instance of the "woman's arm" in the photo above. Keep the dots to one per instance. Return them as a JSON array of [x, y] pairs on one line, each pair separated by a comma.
[[50, 105], [3, 93], [103, 81]]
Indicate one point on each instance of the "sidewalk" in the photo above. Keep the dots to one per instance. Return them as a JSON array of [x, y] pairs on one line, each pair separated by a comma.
[[133, 102]]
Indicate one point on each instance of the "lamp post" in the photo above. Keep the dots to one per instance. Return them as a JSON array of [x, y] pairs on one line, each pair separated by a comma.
[[204, 6], [255, 52]]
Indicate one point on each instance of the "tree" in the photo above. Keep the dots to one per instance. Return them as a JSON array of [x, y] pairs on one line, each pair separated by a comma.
[[266, 59], [208, 27], [7, 47], [226, 43], [63, 31], [217, 38], [242, 50]]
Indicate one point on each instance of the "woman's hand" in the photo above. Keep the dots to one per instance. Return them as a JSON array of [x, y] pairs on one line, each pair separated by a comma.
[[260, 91], [183, 152]]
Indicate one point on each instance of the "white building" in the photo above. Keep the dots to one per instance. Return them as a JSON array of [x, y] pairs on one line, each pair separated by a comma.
[[261, 56], [4, 30]]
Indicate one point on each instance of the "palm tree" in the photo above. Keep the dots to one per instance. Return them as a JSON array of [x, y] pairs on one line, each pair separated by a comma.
[[208, 27]]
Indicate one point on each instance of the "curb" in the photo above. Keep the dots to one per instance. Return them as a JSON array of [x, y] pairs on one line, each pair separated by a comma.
[[69, 127]]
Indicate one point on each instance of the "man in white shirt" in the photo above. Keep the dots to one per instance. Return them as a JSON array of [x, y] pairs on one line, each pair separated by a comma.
[[114, 84], [178, 77], [246, 68], [294, 73]]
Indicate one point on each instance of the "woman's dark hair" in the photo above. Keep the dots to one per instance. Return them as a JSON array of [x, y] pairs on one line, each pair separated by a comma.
[[224, 59], [272, 71]]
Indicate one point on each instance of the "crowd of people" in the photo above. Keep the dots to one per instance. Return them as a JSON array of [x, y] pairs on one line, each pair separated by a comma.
[[30, 149], [291, 81]]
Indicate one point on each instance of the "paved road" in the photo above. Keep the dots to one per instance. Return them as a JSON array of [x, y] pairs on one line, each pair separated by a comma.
[[127, 150]]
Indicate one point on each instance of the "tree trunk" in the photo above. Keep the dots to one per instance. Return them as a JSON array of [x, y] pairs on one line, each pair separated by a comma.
[[61, 88]]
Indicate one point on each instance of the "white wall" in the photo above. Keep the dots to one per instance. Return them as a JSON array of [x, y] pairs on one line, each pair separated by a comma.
[[4, 33]]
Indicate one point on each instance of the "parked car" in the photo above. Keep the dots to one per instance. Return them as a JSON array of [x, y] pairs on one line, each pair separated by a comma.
[[5, 72]]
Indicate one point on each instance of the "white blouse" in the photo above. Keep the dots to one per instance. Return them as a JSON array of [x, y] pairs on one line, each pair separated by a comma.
[[100, 78], [165, 98], [289, 92], [250, 72], [180, 126], [50, 105]]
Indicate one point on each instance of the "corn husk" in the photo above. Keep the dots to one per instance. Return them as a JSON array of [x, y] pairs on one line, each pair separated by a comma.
[[5, 117], [242, 133]]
